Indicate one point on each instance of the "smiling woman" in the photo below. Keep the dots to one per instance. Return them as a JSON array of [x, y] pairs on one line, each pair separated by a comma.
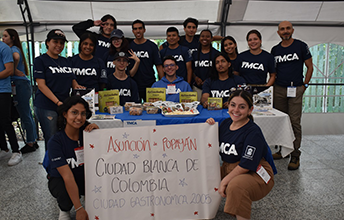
[[89, 70]]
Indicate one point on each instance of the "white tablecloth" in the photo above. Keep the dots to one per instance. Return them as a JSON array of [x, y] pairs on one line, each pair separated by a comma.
[[277, 130]]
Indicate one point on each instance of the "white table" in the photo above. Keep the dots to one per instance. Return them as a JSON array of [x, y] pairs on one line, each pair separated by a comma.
[[107, 123], [277, 130]]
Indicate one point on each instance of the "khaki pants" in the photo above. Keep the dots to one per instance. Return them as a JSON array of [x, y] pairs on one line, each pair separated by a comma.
[[292, 107]]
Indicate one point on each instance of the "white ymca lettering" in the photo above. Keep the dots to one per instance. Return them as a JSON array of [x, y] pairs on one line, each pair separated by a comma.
[[203, 63], [85, 71], [72, 162], [110, 64], [285, 58], [60, 69], [228, 149], [220, 94], [178, 58], [256, 66], [124, 92], [103, 44], [142, 54]]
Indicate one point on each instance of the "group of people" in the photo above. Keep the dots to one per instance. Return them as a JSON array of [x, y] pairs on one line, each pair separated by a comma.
[[184, 63]]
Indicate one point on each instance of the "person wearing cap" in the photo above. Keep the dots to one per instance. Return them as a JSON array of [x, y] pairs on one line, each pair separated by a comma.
[[89, 70], [54, 77], [174, 84], [128, 91], [106, 25], [120, 44]]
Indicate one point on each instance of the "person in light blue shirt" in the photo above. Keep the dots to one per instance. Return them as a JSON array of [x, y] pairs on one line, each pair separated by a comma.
[[174, 84]]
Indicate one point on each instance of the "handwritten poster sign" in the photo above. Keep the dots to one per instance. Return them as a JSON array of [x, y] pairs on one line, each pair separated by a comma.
[[154, 172]]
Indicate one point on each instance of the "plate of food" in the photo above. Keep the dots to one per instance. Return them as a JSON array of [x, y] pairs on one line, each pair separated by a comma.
[[178, 110]]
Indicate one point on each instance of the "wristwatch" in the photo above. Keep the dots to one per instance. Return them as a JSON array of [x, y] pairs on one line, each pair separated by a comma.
[[305, 85]]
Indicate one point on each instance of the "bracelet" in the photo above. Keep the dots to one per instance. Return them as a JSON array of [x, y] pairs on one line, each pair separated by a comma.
[[78, 208], [57, 102]]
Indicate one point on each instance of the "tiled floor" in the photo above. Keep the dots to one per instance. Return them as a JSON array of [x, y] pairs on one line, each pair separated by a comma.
[[315, 191]]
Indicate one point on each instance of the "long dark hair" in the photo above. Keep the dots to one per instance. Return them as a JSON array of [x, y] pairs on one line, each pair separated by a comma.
[[214, 75], [67, 104], [231, 39], [124, 46], [246, 96], [16, 42], [105, 18], [88, 35]]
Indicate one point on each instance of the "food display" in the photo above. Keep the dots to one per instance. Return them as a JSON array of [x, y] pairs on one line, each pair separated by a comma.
[[171, 109], [147, 104], [128, 105], [152, 110], [135, 110]]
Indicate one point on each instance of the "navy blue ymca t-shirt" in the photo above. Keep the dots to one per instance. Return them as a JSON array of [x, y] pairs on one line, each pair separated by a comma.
[[128, 91], [254, 68], [193, 45], [202, 63], [289, 63], [58, 76], [182, 56], [148, 53], [246, 144], [222, 89], [89, 73], [102, 47]]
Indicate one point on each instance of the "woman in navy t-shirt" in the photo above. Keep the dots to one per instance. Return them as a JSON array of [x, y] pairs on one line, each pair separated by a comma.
[[89, 70], [246, 175], [255, 63], [202, 60], [65, 153], [229, 46], [54, 78], [221, 81]]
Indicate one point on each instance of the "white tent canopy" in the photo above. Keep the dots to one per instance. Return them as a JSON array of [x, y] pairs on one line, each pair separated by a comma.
[[314, 21]]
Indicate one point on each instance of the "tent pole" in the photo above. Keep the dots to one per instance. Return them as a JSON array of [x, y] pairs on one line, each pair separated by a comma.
[[224, 16]]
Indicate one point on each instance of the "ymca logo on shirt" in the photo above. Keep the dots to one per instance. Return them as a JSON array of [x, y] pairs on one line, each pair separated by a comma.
[[178, 58], [220, 94], [228, 149], [286, 58], [248, 65], [142, 54], [124, 92], [85, 71], [60, 69], [203, 63], [110, 64], [103, 44], [72, 162], [249, 153]]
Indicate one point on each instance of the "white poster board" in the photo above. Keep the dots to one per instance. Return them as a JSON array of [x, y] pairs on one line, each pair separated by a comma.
[[155, 172]]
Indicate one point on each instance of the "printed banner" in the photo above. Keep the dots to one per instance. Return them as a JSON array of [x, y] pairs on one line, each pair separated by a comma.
[[154, 172]]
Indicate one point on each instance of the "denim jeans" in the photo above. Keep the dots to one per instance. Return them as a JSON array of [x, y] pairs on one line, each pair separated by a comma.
[[22, 97], [48, 122], [6, 124]]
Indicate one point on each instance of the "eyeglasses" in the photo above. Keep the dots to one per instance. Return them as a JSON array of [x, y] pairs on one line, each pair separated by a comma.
[[169, 65], [117, 40], [77, 113]]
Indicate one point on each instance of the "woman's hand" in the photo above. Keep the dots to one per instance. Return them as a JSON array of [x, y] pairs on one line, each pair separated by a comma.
[[79, 87], [222, 188], [133, 56], [205, 104], [90, 127], [210, 121], [81, 214], [225, 105], [97, 22], [18, 73], [198, 81]]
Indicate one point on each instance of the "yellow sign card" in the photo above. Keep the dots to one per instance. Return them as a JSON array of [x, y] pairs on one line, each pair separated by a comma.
[[214, 103], [155, 94], [188, 97], [108, 98]]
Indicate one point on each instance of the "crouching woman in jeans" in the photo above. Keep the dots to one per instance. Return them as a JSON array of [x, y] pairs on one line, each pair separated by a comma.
[[65, 151], [246, 174]]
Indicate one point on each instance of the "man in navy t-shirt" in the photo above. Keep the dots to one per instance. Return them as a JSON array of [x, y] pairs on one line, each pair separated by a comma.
[[148, 53], [180, 53], [106, 25], [290, 55]]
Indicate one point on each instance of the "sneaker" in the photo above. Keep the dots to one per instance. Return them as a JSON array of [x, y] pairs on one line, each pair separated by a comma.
[[27, 149], [36, 145], [64, 215], [15, 159], [4, 154], [294, 163], [278, 155]]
